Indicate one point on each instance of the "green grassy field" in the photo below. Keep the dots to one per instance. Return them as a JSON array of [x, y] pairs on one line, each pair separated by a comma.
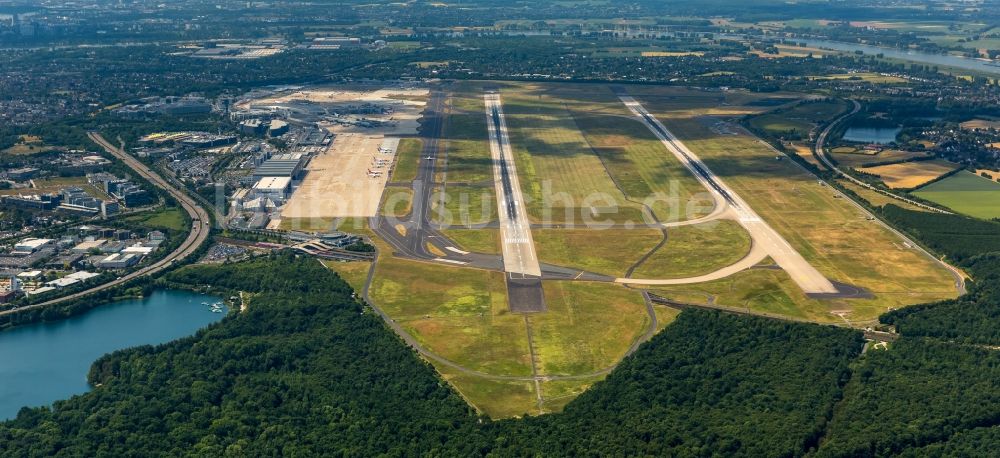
[[397, 202], [798, 120], [643, 167], [464, 206], [465, 137], [557, 167], [478, 240], [460, 314], [965, 192], [496, 398], [772, 292], [696, 250], [588, 326], [609, 252], [167, 218], [407, 160], [355, 273], [828, 231]]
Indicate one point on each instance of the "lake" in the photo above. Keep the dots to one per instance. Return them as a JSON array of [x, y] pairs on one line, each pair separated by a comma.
[[46, 362], [880, 135]]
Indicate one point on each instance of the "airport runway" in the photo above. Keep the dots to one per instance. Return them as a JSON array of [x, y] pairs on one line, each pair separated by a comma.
[[520, 262], [515, 230], [764, 237]]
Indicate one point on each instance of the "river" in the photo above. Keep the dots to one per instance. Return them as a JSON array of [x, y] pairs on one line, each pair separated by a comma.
[[45, 362], [910, 55]]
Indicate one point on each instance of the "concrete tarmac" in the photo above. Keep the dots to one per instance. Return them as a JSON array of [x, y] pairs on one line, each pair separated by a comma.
[[764, 237]]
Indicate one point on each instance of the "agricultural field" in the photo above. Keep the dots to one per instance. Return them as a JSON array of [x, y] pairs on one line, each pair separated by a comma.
[[862, 76], [981, 124], [965, 192], [850, 157], [910, 175]]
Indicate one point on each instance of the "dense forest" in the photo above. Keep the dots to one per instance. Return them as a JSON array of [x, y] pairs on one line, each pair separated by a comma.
[[975, 246], [307, 370]]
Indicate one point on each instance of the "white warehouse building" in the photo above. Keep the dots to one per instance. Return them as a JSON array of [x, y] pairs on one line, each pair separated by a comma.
[[274, 188]]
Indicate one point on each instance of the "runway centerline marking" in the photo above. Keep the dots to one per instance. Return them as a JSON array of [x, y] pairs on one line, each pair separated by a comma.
[[800, 270]]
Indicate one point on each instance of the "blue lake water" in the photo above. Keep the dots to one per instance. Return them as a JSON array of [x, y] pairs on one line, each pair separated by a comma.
[[45, 362], [880, 135]]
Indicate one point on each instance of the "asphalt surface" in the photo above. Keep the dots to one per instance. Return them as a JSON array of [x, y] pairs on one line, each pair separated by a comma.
[[518, 247], [765, 238], [200, 229]]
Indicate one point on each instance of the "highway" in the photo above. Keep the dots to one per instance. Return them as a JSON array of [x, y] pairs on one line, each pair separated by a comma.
[[200, 228], [519, 255], [765, 238]]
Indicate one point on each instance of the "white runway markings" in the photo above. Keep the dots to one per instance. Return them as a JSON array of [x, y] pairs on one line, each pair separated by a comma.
[[763, 235], [515, 231]]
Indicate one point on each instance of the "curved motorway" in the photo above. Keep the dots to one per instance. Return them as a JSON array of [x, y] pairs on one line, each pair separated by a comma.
[[200, 228]]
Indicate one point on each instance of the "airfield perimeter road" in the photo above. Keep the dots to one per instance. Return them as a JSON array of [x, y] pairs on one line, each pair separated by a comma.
[[810, 280], [200, 229]]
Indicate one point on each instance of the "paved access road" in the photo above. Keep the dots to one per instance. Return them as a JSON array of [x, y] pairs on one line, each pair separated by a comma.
[[765, 238], [200, 228]]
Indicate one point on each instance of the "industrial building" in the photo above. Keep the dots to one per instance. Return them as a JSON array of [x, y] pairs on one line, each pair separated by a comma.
[[281, 165], [119, 261], [274, 188], [31, 245]]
